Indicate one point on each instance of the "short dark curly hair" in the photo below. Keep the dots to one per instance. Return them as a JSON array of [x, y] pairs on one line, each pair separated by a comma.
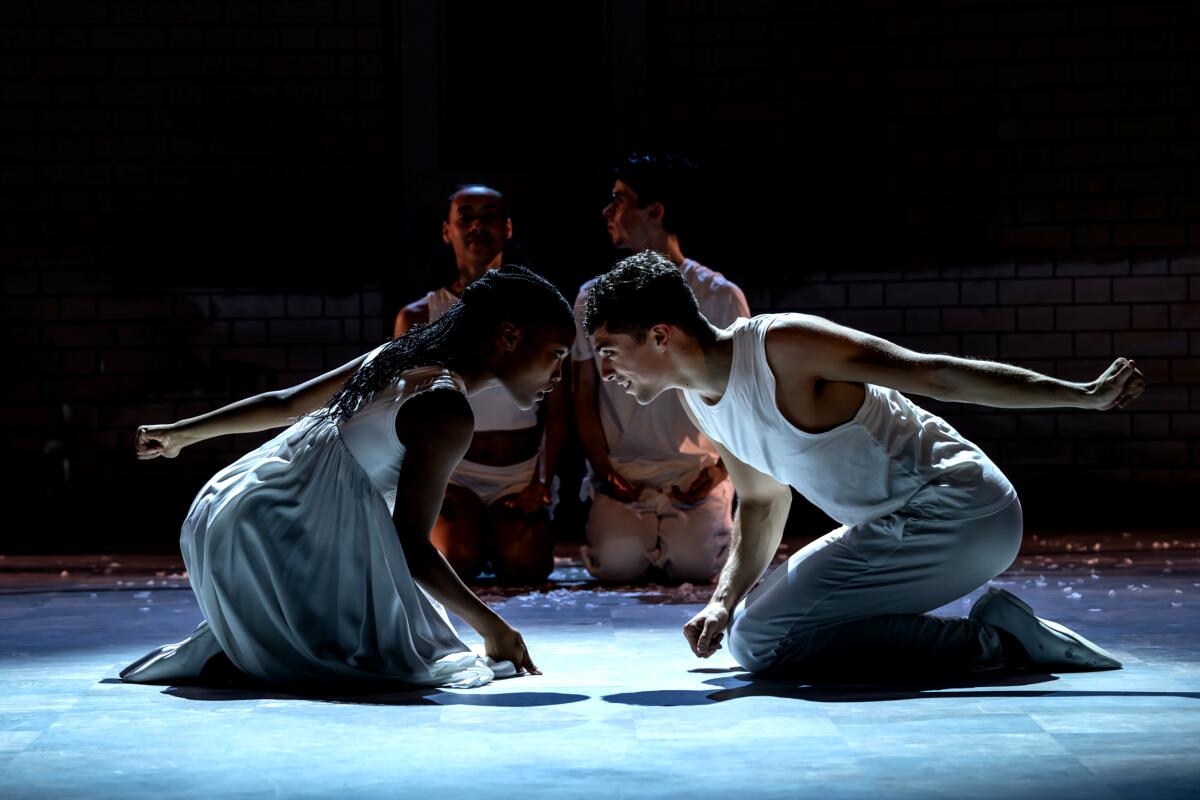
[[641, 291]]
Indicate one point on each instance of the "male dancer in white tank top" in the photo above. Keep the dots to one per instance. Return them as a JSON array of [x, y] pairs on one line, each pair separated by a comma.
[[660, 495], [796, 400], [496, 507]]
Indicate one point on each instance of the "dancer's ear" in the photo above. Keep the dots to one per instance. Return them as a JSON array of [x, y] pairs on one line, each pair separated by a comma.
[[660, 335], [508, 337]]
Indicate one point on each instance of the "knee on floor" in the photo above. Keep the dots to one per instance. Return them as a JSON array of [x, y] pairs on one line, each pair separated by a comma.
[[616, 558], [523, 551], [523, 566], [750, 648]]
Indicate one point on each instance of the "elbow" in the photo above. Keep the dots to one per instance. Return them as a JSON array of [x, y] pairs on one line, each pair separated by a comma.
[[285, 406], [937, 374], [777, 501]]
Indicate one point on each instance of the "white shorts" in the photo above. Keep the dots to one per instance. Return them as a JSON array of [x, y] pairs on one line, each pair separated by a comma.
[[490, 483]]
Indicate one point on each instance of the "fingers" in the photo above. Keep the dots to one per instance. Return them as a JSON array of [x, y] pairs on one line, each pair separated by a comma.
[[691, 632], [525, 662], [714, 644], [1125, 371], [704, 643], [1130, 383], [145, 447], [1132, 391]]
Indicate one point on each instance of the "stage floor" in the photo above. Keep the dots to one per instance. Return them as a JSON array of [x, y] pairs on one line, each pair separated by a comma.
[[623, 709]]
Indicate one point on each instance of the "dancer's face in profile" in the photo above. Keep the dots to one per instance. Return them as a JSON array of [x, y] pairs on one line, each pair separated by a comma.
[[530, 365], [476, 227], [640, 368], [630, 227]]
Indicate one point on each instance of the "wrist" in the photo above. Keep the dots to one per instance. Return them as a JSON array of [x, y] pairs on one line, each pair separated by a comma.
[[1085, 393], [722, 600], [492, 625], [182, 435]]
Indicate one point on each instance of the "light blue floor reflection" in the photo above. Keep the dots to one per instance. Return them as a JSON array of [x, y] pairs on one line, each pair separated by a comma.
[[623, 710]]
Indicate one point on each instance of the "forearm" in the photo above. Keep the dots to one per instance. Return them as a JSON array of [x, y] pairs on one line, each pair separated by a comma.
[[757, 531], [556, 435], [990, 383], [258, 413], [435, 575], [587, 422]]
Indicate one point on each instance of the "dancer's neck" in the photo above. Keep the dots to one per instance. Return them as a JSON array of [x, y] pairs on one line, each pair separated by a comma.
[[469, 272], [705, 364], [667, 244]]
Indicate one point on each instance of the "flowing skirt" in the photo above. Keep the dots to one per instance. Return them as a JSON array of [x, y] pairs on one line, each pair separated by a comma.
[[296, 564]]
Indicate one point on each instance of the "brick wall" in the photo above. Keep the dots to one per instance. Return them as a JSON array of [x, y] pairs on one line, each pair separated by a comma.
[[1067, 318], [1007, 180], [870, 130], [193, 207], [198, 200]]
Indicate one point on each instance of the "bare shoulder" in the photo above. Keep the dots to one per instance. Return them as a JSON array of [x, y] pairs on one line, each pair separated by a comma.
[[437, 419], [790, 331], [415, 313], [800, 344]]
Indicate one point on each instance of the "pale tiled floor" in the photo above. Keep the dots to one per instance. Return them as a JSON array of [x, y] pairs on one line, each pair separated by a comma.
[[623, 709]]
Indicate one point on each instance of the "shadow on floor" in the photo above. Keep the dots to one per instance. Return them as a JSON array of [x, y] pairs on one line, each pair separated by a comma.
[[407, 696], [862, 690]]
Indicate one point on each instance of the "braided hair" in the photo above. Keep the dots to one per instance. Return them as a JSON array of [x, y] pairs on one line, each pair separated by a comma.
[[462, 338]]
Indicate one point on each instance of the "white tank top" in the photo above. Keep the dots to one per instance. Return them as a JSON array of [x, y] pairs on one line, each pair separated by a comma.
[[865, 468], [494, 408], [370, 435]]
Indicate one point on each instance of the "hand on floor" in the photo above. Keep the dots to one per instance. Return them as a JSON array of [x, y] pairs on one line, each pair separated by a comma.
[[507, 644], [705, 631]]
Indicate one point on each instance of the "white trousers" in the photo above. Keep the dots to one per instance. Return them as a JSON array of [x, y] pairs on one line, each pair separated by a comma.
[[690, 543], [856, 599]]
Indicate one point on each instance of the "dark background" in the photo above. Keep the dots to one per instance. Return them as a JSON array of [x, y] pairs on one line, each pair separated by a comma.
[[200, 200]]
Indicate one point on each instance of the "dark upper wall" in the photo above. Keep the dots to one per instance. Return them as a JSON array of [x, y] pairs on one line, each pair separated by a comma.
[[1006, 180], [202, 200]]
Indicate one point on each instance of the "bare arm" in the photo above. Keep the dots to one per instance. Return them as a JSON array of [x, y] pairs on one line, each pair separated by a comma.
[[259, 413], [558, 411], [436, 429], [412, 314], [837, 353], [537, 495], [586, 397], [763, 505]]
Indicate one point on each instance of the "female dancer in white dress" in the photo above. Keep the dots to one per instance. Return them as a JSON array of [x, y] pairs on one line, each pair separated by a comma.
[[310, 556]]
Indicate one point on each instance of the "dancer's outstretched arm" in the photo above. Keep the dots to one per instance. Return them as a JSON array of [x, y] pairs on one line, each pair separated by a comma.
[[258, 413], [435, 429], [836, 353], [763, 505]]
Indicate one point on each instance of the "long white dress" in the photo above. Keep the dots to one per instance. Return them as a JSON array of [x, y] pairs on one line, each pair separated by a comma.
[[296, 564]]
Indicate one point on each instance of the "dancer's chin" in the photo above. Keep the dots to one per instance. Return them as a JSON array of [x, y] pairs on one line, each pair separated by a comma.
[[643, 398]]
